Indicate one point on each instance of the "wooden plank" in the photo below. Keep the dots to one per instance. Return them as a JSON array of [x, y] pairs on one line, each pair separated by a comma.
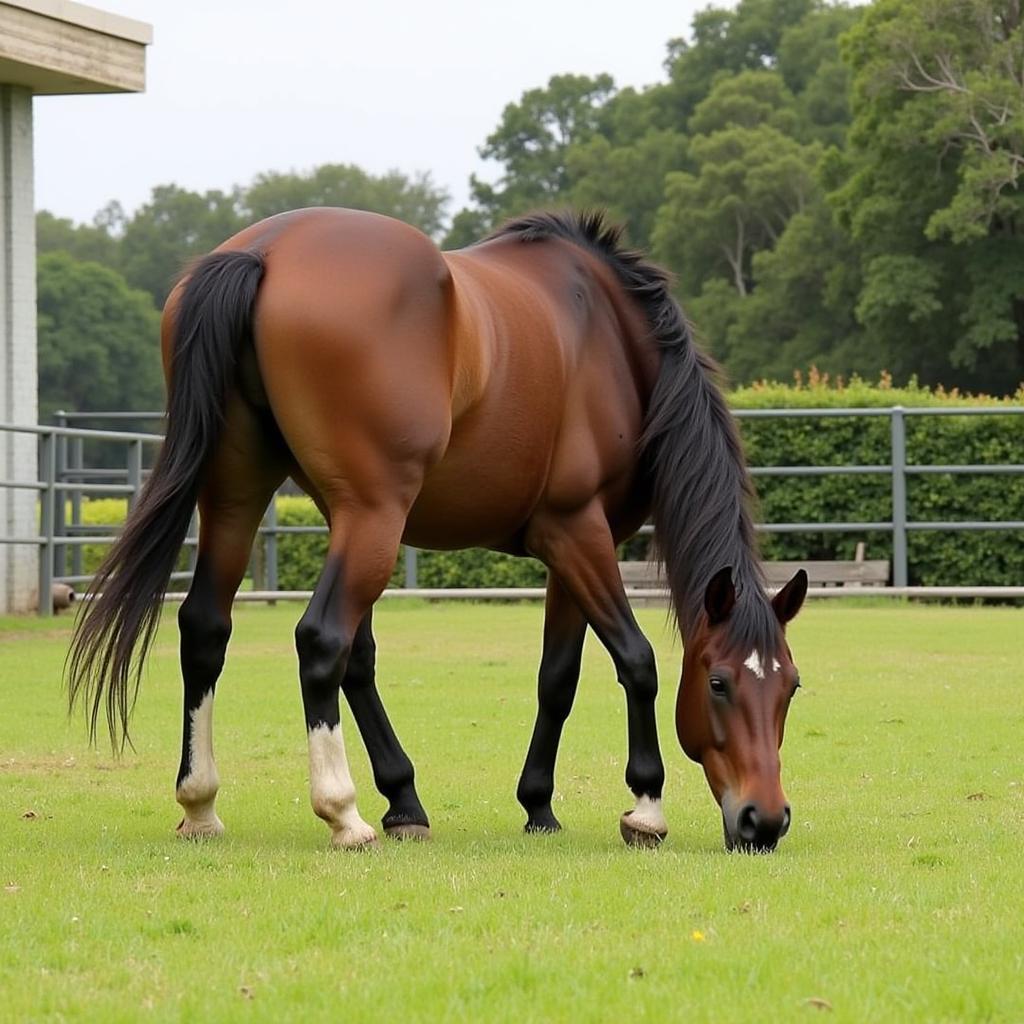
[[867, 573], [870, 572]]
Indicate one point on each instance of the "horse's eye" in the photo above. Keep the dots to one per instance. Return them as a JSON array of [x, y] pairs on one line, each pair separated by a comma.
[[718, 686]]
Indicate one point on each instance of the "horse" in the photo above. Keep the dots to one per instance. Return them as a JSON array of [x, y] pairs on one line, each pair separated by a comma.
[[537, 393]]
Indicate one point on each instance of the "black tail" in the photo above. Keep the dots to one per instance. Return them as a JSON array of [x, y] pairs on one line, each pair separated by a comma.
[[114, 631]]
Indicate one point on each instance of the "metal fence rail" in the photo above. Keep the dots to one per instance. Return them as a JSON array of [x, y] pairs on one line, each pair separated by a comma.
[[65, 479]]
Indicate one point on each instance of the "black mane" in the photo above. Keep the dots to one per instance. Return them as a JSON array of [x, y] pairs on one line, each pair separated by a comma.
[[702, 493]]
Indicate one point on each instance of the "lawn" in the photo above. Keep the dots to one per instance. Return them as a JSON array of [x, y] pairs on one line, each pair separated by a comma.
[[898, 894]]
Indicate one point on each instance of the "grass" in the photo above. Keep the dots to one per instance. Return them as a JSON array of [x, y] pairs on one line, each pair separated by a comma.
[[897, 895]]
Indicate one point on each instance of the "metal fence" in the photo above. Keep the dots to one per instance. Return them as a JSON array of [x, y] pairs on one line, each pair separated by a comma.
[[65, 480]]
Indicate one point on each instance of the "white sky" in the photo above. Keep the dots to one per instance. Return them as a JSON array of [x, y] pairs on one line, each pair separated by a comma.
[[235, 87]]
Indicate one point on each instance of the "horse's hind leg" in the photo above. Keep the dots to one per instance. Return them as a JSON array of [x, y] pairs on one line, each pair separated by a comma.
[[564, 631], [242, 478], [362, 551], [393, 772]]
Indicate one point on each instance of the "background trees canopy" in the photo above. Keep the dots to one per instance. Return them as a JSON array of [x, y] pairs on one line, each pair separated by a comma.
[[831, 185]]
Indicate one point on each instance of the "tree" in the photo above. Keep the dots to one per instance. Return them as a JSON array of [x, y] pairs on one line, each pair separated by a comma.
[[931, 192], [749, 183], [726, 42], [532, 140], [99, 339], [416, 200], [628, 180], [83, 241], [175, 226]]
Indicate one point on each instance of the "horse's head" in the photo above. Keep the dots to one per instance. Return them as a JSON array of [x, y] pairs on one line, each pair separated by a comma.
[[731, 713]]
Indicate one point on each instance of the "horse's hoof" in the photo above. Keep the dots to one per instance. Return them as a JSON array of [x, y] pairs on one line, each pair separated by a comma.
[[356, 837], [207, 829], [637, 833], [408, 830], [542, 828], [542, 822]]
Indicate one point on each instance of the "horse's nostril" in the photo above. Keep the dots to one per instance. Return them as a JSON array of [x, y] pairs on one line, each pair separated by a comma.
[[746, 823], [787, 817]]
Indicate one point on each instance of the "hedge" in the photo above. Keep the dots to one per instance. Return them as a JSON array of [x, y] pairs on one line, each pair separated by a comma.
[[300, 557], [979, 558], [108, 513], [934, 558]]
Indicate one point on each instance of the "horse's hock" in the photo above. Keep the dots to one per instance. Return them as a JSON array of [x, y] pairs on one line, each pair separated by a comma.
[[47, 47]]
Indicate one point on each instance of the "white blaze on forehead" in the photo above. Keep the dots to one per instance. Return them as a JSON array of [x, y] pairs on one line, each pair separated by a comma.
[[753, 662]]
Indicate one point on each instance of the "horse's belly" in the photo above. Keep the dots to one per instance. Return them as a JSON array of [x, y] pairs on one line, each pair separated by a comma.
[[476, 502]]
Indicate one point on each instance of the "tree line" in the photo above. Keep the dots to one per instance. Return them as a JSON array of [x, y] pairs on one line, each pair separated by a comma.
[[830, 185]]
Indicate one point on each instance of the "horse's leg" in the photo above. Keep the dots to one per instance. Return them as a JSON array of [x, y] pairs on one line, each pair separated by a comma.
[[361, 553], [242, 477], [393, 772], [580, 550], [564, 630]]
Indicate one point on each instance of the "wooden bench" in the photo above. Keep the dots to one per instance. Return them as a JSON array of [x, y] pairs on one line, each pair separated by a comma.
[[856, 572]]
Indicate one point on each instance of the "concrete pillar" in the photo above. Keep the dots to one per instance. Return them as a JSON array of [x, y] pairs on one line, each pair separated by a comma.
[[19, 565]]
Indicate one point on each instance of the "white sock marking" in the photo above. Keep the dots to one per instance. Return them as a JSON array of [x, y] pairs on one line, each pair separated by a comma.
[[647, 814], [198, 789], [331, 789]]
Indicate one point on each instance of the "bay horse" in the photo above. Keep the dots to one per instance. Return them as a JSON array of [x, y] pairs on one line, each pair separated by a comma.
[[538, 393]]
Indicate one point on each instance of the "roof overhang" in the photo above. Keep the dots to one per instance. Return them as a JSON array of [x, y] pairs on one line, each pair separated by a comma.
[[59, 47]]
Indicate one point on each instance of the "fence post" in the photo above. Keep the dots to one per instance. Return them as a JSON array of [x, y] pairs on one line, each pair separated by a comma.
[[60, 552], [48, 474], [134, 472], [899, 497], [411, 574], [76, 461], [270, 546]]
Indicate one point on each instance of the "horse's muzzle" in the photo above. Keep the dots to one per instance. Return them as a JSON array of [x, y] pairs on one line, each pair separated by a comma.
[[752, 829]]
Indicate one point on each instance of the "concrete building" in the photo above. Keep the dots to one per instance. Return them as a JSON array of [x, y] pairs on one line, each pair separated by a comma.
[[47, 47]]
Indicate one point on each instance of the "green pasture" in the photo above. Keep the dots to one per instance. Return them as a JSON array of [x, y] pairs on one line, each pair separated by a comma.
[[897, 896]]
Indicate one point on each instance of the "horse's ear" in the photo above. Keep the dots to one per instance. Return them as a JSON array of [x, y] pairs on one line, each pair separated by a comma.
[[720, 596], [788, 601]]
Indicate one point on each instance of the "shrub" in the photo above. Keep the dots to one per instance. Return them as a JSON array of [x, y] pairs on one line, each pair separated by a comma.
[[948, 558], [300, 558]]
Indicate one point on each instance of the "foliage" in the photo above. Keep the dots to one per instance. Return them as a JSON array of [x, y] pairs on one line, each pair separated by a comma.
[[98, 339], [930, 195], [107, 515], [415, 200], [301, 557], [934, 558], [532, 140], [829, 184]]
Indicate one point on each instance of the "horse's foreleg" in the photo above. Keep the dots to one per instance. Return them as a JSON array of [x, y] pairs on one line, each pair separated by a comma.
[[393, 772], [564, 630], [580, 550], [360, 556]]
